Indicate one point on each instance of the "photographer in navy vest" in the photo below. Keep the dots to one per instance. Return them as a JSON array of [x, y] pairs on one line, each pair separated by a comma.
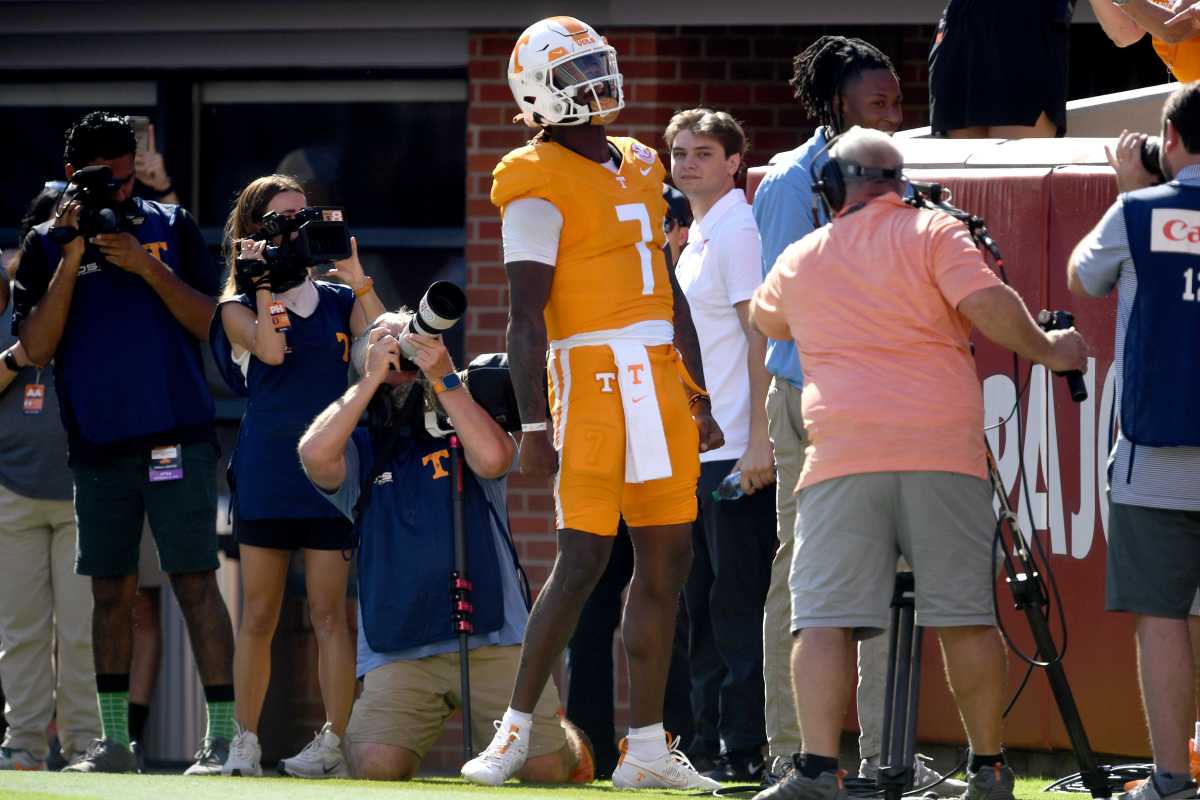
[[118, 291], [1147, 247], [407, 648]]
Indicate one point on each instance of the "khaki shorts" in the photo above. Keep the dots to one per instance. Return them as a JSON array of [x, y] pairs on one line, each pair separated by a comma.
[[850, 530], [406, 703]]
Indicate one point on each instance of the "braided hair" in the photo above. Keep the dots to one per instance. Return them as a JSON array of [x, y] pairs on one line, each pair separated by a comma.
[[822, 71]]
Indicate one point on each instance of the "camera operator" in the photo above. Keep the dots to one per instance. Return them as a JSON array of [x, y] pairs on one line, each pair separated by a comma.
[[1145, 246], [43, 603], [289, 372], [120, 308], [407, 649], [880, 303]]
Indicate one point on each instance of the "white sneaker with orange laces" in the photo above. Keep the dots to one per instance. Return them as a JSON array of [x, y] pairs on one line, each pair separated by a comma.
[[672, 770], [502, 759]]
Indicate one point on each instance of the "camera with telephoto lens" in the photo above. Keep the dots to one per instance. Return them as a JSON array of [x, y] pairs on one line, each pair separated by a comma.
[[442, 306], [92, 188], [311, 236], [1151, 154]]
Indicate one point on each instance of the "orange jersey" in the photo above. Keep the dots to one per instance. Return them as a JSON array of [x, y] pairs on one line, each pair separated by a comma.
[[1183, 59], [610, 271]]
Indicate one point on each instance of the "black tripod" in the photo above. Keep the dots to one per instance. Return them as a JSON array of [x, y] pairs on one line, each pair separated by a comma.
[[897, 749], [460, 594]]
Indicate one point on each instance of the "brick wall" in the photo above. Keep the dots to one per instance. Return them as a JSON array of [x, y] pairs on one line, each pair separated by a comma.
[[741, 70]]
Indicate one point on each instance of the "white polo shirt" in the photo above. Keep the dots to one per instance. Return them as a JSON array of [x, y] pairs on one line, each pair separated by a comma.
[[720, 267]]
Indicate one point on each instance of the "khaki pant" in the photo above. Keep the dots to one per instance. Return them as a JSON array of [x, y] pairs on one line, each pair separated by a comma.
[[46, 662], [785, 422]]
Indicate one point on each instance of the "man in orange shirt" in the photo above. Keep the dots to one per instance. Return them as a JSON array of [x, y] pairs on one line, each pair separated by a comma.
[[583, 237], [880, 303]]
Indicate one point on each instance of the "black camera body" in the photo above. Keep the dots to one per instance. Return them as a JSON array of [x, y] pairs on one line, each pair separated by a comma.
[[1151, 154], [314, 235], [92, 188]]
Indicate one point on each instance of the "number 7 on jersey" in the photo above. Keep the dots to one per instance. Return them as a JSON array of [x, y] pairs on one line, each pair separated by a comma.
[[637, 212]]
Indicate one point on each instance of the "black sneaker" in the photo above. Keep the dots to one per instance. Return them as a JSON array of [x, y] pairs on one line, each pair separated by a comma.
[[139, 757], [826, 786], [778, 770], [746, 766], [210, 757], [104, 755]]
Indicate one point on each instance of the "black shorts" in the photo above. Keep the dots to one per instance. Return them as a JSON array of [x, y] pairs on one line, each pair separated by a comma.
[[1000, 63], [312, 533]]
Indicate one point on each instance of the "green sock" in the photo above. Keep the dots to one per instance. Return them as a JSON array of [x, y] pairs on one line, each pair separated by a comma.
[[218, 701], [114, 716]]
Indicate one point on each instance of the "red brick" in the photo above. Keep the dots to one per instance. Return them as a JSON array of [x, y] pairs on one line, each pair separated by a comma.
[[503, 138], [703, 69], [482, 162], [479, 114], [686, 46], [772, 93], [794, 117], [683, 93], [497, 45], [753, 116], [489, 229], [639, 115], [491, 321], [730, 47], [772, 47], [540, 551], [724, 93], [530, 523], [643, 45], [494, 92], [488, 276], [487, 69], [751, 70], [484, 343], [648, 68], [480, 297]]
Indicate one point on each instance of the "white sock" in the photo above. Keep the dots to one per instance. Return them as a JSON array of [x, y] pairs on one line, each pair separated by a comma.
[[518, 721], [648, 743], [1197, 736]]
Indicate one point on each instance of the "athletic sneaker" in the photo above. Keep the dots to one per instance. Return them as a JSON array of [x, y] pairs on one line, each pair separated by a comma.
[[22, 760], [210, 757], [1146, 790], [245, 755], [994, 783], [923, 776], [745, 766], [103, 755], [139, 757], [826, 786], [672, 770], [320, 758], [501, 759], [778, 770]]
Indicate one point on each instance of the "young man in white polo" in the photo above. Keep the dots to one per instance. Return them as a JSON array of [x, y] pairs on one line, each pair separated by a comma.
[[734, 539]]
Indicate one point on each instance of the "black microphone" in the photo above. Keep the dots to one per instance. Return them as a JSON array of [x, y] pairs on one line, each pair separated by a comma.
[[1058, 321]]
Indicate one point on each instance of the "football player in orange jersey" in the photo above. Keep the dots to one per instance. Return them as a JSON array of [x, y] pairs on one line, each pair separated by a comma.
[[583, 234]]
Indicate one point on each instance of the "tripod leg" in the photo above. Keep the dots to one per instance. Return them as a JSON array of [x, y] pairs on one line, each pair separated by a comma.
[[900, 707]]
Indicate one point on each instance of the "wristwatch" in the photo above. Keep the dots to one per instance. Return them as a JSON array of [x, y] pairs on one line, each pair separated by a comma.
[[446, 383], [10, 361]]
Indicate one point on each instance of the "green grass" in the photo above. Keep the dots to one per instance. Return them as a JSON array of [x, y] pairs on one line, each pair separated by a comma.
[[58, 786]]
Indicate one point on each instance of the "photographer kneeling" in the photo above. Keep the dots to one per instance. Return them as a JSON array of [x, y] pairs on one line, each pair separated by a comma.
[[407, 648], [880, 303]]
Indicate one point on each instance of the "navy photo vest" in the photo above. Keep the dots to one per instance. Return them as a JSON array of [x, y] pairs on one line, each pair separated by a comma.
[[406, 550], [265, 473], [125, 368], [1161, 374]]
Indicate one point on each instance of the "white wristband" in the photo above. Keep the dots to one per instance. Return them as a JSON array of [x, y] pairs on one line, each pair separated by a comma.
[[530, 427]]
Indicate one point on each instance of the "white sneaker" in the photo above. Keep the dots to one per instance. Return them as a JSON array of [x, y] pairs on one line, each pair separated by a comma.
[[503, 758], [245, 755], [320, 758], [23, 760], [923, 776], [670, 771]]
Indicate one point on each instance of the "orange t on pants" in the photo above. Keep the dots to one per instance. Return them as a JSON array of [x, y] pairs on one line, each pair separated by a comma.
[[590, 492]]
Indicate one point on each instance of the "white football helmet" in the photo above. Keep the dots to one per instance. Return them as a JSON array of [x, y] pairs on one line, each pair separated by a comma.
[[562, 72]]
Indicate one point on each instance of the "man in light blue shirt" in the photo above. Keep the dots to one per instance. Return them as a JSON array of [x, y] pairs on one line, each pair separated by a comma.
[[841, 82]]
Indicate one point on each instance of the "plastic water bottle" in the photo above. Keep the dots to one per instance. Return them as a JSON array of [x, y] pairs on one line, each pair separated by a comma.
[[730, 488]]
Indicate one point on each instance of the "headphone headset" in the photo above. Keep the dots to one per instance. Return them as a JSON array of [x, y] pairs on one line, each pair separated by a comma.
[[829, 182]]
